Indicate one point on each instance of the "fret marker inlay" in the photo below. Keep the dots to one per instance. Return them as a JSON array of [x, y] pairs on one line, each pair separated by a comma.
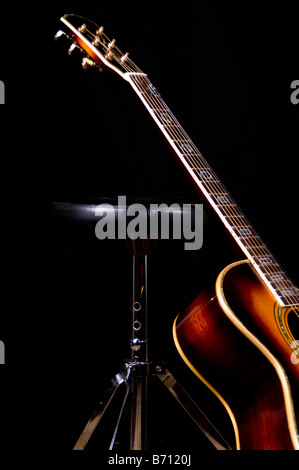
[[152, 90], [277, 277], [186, 148], [265, 260], [165, 118], [205, 175], [222, 199], [245, 232]]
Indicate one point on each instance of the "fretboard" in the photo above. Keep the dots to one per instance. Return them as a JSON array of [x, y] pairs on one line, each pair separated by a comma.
[[216, 194]]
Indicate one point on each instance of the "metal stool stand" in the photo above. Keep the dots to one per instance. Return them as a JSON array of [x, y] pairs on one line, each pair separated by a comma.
[[136, 372]]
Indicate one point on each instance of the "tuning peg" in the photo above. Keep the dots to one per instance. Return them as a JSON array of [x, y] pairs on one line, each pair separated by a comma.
[[109, 55], [73, 47], [82, 28], [111, 44], [97, 41], [87, 63], [124, 58], [100, 31], [59, 34]]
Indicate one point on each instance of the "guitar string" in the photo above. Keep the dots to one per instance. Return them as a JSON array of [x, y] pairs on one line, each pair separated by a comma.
[[215, 184], [113, 50], [233, 210], [261, 249], [257, 250], [133, 67]]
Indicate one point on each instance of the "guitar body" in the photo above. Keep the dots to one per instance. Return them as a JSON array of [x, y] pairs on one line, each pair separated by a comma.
[[237, 341]]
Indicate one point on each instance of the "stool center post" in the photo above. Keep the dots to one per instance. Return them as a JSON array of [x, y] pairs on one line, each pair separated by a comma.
[[139, 340]]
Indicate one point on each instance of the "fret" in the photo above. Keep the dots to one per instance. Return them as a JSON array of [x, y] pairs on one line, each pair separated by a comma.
[[157, 109], [142, 81], [261, 254], [160, 109], [237, 221], [251, 242], [287, 289], [289, 301], [197, 168], [194, 157], [171, 127], [229, 210]]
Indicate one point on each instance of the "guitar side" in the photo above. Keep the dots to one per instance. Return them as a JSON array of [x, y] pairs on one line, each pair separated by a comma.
[[219, 338]]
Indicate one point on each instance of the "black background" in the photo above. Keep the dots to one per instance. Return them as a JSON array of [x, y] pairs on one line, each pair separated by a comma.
[[225, 70]]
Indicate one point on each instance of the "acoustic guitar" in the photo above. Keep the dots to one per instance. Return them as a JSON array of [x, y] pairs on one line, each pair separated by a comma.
[[239, 336]]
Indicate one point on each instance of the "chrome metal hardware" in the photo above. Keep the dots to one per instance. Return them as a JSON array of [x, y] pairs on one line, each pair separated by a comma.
[[87, 63], [111, 44], [137, 325], [59, 34], [124, 58], [73, 47], [137, 306], [136, 344], [100, 31], [109, 56], [82, 28], [97, 41]]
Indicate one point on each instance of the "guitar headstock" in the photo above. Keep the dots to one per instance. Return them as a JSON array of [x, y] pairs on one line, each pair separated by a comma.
[[99, 51]]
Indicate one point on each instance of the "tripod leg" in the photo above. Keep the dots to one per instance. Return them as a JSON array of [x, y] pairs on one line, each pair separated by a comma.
[[117, 380], [119, 417], [193, 410], [139, 414]]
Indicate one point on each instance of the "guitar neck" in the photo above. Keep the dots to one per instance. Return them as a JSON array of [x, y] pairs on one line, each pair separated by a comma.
[[215, 193]]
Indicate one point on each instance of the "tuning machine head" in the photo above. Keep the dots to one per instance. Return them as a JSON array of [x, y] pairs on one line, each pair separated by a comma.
[[60, 34], [74, 47], [82, 28], [87, 64]]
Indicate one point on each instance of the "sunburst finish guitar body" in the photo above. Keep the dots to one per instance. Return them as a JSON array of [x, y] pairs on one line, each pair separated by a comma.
[[226, 337], [241, 337]]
